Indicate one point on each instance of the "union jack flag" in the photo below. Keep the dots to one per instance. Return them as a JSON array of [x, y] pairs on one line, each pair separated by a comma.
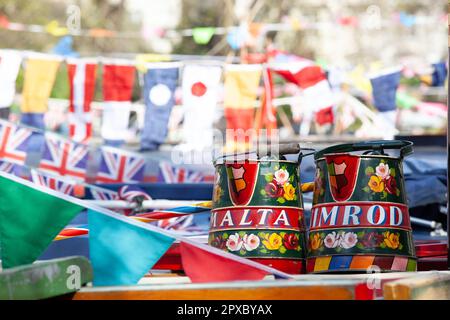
[[7, 167], [14, 142], [103, 194], [171, 174], [15, 169], [117, 166], [52, 182], [64, 157]]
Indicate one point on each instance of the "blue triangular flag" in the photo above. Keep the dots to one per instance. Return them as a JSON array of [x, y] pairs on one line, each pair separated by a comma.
[[64, 47], [122, 253], [439, 74], [384, 89]]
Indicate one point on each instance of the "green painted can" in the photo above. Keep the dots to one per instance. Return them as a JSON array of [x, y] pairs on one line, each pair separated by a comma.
[[258, 212], [359, 218]]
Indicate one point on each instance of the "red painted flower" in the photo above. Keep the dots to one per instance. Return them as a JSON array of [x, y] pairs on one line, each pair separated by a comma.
[[390, 185], [372, 240], [273, 190], [290, 241], [218, 242]]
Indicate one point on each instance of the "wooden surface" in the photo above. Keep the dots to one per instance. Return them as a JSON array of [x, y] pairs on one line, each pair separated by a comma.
[[45, 279], [303, 287], [258, 290], [430, 286]]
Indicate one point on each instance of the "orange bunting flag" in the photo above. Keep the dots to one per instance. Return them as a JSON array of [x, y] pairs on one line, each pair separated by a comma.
[[241, 88]]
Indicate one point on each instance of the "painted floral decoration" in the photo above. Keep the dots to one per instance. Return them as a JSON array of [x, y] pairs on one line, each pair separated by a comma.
[[391, 240], [273, 241], [345, 240], [280, 186], [382, 180], [234, 242], [263, 242], [362, 240], [251, 242]]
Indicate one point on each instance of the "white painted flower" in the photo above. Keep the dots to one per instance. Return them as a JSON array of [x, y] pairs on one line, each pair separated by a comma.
[[382, 170], [234, 242], [251, 242], [281, 176], [349, 240], [332, 240]]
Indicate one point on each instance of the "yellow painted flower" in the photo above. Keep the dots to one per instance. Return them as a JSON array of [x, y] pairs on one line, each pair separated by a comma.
[[392, 240], [289, 191], [273, 242], [376, 184], [315, 241]]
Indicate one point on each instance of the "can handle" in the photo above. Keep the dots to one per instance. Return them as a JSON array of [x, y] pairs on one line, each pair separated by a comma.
[[307, 187], [377, 145]]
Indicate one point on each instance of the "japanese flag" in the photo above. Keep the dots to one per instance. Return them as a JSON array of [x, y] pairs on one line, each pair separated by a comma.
[[200, 93]]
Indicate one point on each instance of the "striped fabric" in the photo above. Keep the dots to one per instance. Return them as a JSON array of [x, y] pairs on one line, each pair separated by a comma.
[[359, 263]]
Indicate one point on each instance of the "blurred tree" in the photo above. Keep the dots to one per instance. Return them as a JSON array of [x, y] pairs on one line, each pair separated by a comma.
[[101, 14]]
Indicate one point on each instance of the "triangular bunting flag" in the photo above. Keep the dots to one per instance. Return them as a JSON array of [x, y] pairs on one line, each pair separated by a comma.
[[384, 89], [121, 252], [203, 35], [28, 227], [203, 266]]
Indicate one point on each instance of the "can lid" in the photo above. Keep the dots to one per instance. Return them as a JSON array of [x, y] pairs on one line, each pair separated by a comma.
[[375, 146], [267, 152]]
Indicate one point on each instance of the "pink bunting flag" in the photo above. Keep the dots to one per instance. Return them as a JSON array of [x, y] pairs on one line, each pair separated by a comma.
[[203, 263]]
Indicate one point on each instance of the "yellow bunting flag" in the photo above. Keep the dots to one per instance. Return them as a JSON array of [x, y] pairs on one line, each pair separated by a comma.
[[241, 86], [359, 80], [55, 30], [143, 59], [39, 78]]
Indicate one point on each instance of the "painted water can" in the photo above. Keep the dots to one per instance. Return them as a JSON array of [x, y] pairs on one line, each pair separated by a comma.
[[359, 218], [258, 211]]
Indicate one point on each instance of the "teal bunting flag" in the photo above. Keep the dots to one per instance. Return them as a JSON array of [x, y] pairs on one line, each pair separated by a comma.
[[121, 252]]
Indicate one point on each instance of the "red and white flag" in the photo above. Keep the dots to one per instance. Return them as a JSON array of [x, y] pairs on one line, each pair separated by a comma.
[[82, 86], [313, 82], [266, 117], [200, 91], [118, 83]]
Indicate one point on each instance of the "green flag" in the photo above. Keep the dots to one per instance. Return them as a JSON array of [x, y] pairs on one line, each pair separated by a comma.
[[406, 101], [30, 218], [203, 35]]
